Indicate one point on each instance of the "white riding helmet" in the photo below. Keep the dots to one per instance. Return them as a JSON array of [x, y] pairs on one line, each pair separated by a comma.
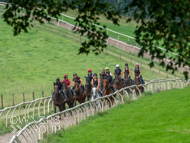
[[117, 66]]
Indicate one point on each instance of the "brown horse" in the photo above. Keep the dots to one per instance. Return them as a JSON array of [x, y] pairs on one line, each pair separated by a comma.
[[58, 99], [107, 90], [127, 82], [87, 91], [138, 82], [68, 94], [118, 84], [79, 96]]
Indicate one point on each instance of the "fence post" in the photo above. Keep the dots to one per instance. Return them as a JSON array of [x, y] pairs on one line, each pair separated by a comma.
[[33, 96], [42, 95], [13, 99], [1, 100], [23, 97]]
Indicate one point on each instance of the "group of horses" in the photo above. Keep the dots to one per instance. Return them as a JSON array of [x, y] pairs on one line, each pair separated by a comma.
[[90, 92]]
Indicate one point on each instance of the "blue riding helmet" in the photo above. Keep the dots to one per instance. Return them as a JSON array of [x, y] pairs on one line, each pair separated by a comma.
[[95, 74]]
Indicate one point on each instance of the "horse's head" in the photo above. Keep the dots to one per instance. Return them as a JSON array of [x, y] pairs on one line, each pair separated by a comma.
[[56, 89], [94, 91], [137, 79], [76, 84], [117, 79], [64, 86], [105, 84]]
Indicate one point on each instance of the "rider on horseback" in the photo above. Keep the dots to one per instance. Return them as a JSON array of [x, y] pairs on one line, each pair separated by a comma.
[[89, 76], [109, 78], [118, 71], [79, 80], [137, 72], [60, 87], [103, 74], [108, 70], [69, 84], [96, 82], [127, 71]]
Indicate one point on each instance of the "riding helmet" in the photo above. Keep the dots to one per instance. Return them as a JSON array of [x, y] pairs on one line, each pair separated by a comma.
[[137, 64], [89, 70], [74, 74], [65, 76], [117, 66], [107, 68], [126, 64], [95, 74], [57, 80]]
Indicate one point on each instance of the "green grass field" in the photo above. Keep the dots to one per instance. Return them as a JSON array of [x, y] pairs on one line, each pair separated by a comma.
[[159, 118], [31, 62]]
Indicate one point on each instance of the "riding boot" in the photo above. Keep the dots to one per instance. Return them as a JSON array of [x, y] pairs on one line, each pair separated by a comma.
[[63, 95]]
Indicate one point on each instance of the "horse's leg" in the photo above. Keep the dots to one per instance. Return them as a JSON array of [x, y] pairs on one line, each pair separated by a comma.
[[55, 108]]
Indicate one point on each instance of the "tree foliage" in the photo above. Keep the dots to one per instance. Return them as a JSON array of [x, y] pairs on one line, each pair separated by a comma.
[[164, 23], [21, 15], [168, 24]]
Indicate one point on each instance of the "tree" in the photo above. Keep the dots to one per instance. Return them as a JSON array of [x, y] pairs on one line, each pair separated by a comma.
[[168, 25], [163, 22], [40, 10]]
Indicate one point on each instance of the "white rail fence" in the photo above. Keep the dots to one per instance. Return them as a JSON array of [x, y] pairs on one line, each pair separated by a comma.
[[125, 46], [37, 130]]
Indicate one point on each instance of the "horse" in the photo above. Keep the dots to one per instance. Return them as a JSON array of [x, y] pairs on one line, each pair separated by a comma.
[[79, 96], [102, 76], [138, 82], [118, 84], [68, 94], [58, 99], [94, 95], [88, 89], [127, 82], [107, 90]]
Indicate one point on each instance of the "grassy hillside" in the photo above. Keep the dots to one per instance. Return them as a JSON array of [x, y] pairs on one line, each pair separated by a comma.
[[162, 117], [31, 62]]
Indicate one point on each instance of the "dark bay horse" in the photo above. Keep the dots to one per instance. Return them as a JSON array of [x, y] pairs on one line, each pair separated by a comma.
[[118, 84], [79, 96], [102, 76], [127, 82], [88, 89], [138, 82], [107, 90], [58, 99], [68, 94]]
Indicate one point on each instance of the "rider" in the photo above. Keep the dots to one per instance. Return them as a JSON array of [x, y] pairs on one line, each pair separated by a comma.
[[60, 88], [109, 78], [103, 74], [69, 84], [137, 72], [79, 80], [118, 71], [96, 82], [127, 71], [89, 76], [108, 70]]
